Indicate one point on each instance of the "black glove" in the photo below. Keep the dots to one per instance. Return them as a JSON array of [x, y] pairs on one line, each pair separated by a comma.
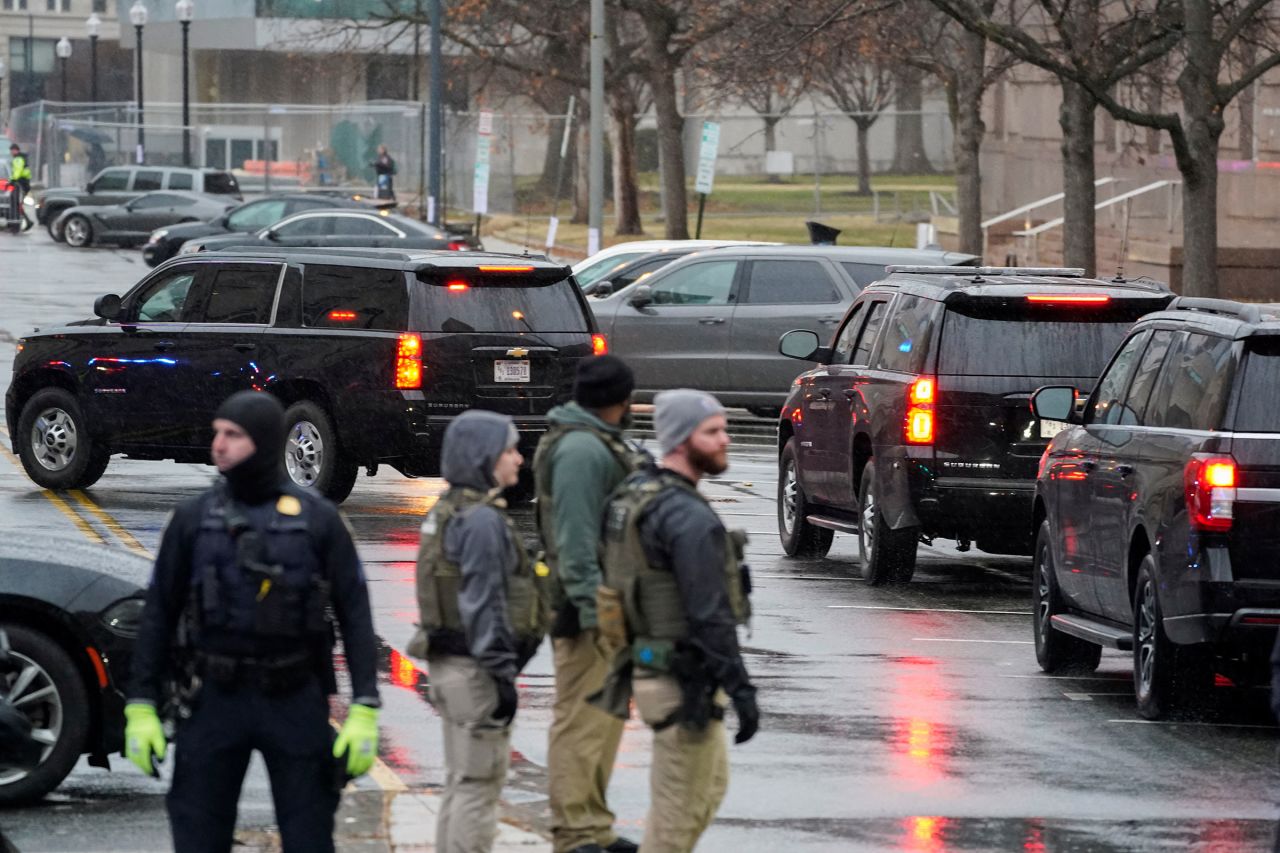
[[744, 705], [507, 700]]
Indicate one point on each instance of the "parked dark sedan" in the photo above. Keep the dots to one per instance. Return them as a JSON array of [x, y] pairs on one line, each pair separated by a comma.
[[249, 217], [346, 229], [70, 610], [131, 222]]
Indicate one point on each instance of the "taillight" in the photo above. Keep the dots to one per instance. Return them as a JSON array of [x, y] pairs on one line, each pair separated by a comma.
[[458, 287], [409, 361], [1069, 299], [599, 346], [920, 400], [457, 246], [1210, 486], [342, 316]]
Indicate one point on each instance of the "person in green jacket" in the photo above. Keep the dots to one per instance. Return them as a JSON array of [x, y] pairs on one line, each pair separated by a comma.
[[20, 177], [579, 462]]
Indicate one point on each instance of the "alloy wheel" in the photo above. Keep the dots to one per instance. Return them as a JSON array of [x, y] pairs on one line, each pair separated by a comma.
[[1042, 592], [33, 692], [790, 498], [76, 232], [1146, 636], [54, 439], [304, 454], [868, 524]]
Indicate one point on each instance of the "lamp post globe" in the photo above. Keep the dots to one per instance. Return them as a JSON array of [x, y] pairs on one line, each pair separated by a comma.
[[63, 50]]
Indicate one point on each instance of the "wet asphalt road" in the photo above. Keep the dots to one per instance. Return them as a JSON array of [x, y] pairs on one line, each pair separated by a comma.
[[907, 719]]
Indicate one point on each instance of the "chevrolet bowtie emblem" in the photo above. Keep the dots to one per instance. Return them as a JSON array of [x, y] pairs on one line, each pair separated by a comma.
[[518, 352]]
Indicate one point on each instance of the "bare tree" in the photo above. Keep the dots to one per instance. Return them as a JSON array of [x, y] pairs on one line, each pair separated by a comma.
[[861, 88]]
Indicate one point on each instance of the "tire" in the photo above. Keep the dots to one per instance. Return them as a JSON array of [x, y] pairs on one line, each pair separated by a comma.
[[799, 537], [1055, 651], [52, 226], [1166, 677], [313, 457], [78, 232], [59, 716], [887, 555], [55, 445], [769, 412], [523, 491]]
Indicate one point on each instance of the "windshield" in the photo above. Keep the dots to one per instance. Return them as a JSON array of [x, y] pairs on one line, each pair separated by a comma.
[[998, 337], [592, 273], [473, 301], [1257, 411]]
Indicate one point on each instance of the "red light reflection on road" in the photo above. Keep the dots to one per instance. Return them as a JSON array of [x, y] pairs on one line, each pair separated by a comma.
[[924, 834], [920, 737], [403, 672]]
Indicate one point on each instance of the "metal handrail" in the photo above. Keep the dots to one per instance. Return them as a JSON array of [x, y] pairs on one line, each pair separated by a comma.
[[1047, 200], [1054, 223]]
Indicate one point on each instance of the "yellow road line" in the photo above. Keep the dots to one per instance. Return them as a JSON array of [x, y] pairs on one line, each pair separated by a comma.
[[70, 513], [111, 523]]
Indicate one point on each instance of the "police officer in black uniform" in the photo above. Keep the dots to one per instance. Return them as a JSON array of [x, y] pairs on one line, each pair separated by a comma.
[[237, 617]]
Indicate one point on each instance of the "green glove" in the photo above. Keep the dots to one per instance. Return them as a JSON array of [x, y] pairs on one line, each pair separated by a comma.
[[358, 739], [144, 742]]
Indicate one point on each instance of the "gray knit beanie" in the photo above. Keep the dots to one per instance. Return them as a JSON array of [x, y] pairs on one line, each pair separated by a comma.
[[677, 413]]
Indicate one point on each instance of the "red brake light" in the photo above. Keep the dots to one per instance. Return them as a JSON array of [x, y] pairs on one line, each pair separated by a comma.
[[599, 345], [342, 316], [409, 361], [492, 268], [458, 287], [1210, 486], [920, 400], [1070, 299], [457, 246]]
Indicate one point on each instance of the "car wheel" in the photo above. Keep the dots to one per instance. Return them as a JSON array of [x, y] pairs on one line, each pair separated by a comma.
[[523, 491], [887, 555], [1166, 677], [50, 692], [78, 231], [54, 229], [312, 455], [1055, 651], [799, 537], [55, 445]]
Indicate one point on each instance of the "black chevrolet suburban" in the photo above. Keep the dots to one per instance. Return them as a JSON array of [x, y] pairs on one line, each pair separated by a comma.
[[371, 351], [915, 423], [1157, 508]]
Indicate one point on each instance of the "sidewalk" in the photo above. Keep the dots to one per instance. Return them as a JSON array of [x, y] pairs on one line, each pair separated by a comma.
[[386, 817]]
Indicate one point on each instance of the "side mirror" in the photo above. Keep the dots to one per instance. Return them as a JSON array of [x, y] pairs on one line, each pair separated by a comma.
[[799, 343], [273, 236], [602, 289], [1055, 403], [107, 307], [223, 221], [642, 297], [89, 187]]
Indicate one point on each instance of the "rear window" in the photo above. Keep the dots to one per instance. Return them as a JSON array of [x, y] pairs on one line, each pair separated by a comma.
[[242, 294], [1259, 386], [180, 181], [354, 298], [474, 301], [601, 269], [1008, 337], [223, 183]]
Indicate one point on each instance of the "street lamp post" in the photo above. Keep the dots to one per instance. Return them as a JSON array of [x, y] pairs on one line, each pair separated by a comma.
[[3, 69], [94, 26], [185, 10], [138, 17], [63, 49]]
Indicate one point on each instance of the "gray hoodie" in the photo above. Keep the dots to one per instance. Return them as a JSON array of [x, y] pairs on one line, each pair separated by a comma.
[[477, 539]]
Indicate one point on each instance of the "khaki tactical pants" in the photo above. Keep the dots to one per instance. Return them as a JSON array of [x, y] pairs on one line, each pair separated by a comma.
[[582, 746], [476, 754], [689, 774]]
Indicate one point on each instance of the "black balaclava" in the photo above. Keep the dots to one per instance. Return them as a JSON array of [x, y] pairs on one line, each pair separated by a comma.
[[259, 478]]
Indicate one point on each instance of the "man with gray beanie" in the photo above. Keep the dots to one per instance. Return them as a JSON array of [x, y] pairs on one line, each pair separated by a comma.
[[676, 578], [481, 620], [579, 462]]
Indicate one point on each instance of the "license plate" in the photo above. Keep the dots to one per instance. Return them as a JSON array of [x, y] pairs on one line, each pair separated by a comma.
[[511, 371], [1048, 429]]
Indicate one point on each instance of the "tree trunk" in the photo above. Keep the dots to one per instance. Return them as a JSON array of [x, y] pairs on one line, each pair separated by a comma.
[[909, 157], [662, 80], [771, 142], [626, 196], [863, 124], [964, 99], [1077, 117]]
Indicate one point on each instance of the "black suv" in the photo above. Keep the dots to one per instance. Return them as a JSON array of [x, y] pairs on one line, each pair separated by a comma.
[[1158, 508], [915, 424], [372, 352]]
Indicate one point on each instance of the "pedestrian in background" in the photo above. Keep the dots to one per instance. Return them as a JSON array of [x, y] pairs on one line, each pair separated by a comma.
[[245, 578], [580, 460], [675, 590], [384, 168], [482, 617], [20, 177]]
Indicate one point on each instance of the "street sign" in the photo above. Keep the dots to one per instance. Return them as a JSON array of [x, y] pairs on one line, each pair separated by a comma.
[[486, 123], [480, 183], [707, 157]]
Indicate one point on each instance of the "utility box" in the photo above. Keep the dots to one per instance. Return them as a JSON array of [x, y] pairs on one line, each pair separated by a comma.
[[779, 163]]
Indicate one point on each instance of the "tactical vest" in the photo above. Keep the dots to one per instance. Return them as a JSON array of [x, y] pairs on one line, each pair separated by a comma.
[[18, 169], [624, 455], [258, 584], [646, 597], [440, 579]]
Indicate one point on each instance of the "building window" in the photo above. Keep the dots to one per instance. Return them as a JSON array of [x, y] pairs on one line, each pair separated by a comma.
[[66, 5], [52, 5], [100, 5]]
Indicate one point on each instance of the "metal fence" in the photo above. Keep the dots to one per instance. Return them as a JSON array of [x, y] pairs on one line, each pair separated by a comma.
[[808, 162]]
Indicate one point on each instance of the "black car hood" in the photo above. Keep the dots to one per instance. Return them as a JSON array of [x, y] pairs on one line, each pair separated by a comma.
[[226, 241], [192, 230], [60, 571]]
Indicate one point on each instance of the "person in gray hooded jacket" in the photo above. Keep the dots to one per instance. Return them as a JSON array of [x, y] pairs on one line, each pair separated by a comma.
[[481, 620]]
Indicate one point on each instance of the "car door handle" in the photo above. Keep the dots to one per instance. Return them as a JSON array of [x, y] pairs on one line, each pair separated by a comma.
[[711, 321], [1124, 470], [244, 347], [829, 321], [163, 346]]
